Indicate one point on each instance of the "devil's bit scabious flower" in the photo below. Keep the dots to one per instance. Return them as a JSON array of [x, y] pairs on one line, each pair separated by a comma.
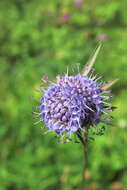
[[74, 101]]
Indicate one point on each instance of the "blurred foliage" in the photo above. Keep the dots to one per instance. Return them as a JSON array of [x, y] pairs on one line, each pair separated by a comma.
[[43, 37]]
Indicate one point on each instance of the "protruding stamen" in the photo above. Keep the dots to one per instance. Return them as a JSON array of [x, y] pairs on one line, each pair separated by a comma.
[[89, 108], [37, 122]]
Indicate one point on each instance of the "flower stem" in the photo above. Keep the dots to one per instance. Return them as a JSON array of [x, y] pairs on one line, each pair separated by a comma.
[[84, 141]]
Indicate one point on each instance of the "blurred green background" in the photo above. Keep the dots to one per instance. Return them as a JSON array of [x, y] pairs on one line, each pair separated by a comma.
[[40, 37]]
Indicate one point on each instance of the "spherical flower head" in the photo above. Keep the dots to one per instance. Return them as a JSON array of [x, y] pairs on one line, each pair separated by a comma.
[[73, 102]]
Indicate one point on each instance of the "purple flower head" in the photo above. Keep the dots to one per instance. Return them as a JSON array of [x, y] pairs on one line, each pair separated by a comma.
[[66, 16], [73, 102], [102, 37], [78, 3]]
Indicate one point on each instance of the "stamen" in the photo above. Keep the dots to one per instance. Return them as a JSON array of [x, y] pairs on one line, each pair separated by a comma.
[[104, 112], [37, 122], [98, 78], [46, 132], [37, 113], [89, 108], [78, 66]]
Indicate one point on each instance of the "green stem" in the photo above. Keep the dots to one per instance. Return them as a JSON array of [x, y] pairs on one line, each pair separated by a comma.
[[84, 141]]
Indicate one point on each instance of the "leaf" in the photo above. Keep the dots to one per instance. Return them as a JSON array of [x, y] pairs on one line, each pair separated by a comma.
[[91, 61], [107, 85]]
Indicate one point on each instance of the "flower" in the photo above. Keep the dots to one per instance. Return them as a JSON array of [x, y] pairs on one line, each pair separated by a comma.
[[102, 37], [66, 16], [73, 102], [78, 3]]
